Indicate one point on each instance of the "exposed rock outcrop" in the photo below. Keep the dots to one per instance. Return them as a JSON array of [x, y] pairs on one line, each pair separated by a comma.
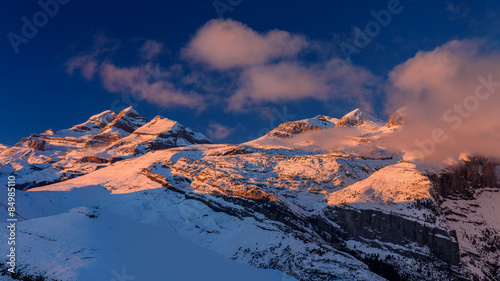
[[37, 144], [290, 129], [461, 180], [396, 119]]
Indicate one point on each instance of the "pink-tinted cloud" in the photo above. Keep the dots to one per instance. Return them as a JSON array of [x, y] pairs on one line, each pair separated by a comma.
[[451, 97], [256, 68], [134, 80], [142, 81], [150, 49], [288, 81], [87, 64], [218, 131], [224, 44]]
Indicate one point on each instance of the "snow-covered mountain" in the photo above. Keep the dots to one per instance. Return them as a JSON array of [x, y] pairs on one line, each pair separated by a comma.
[[104, 138], [285, 202]]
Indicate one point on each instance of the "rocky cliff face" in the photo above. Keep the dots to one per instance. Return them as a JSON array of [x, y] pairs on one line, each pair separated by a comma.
[[393, 228], [464, 178], [468, 194]]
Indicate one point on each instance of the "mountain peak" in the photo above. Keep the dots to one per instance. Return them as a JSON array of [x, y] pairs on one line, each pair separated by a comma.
[[130, 110], [397, 118], [353, 118], [290, 129], [159, 133], [158, 125], [358, 117], [95, 122], [49, 132], [355, 112], [127, 121]]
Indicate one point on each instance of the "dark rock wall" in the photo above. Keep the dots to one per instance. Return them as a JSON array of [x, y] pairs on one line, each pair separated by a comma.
[[396, 229], [461, 180]]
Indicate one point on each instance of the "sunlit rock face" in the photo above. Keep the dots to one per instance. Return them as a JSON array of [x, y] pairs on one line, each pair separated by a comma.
[[290, 129], [397, 119]]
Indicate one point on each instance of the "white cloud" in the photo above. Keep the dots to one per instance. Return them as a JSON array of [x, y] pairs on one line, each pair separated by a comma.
[[224, 44]]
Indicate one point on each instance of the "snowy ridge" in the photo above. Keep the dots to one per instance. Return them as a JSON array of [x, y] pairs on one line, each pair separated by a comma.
[[103, 139]]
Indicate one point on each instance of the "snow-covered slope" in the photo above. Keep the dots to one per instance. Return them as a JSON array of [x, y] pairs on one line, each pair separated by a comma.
[[279, 196], [357, 211], [93, 244], [388, 185]]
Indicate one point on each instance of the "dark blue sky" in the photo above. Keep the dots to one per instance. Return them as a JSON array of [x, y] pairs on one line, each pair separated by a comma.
[[37, 92]]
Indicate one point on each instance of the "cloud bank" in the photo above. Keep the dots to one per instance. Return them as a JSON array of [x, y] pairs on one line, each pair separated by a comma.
[[271, 68], [290, 81], [451, 97], [254, 69], [137, 81], [142, 81]]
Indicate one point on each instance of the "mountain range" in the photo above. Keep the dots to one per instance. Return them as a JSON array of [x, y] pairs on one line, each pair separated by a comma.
[[313, 199]]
